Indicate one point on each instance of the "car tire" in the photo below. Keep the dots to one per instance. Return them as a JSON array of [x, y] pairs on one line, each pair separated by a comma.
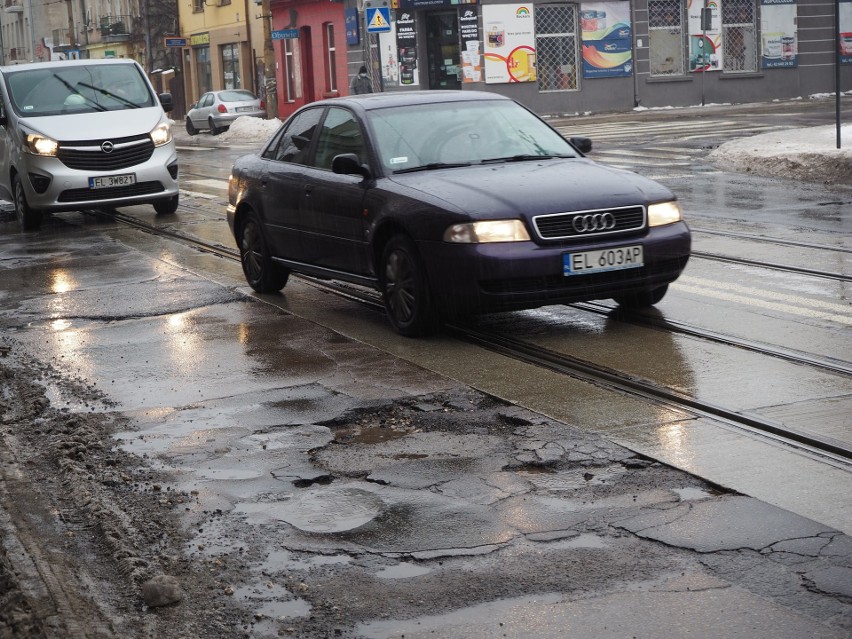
[[28, 217], [262, 274], [405, 289], [641, 299], [214, 130], [190, 127], [167, 207]]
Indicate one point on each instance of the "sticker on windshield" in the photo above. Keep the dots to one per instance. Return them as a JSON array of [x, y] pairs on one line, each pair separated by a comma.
[[401, 160]]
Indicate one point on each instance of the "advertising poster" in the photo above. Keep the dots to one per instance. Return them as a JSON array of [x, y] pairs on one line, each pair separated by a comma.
[[353, 30], [406, 43], [471, 53], [779, 44], [607, 39], [509, 39], [705, 47], [845, 31]]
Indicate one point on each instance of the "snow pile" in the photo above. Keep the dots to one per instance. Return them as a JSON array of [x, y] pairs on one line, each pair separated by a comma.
[[249, 129], [807, 154]]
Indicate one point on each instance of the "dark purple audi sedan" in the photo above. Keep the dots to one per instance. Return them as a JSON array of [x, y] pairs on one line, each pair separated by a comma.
[[450, 203]]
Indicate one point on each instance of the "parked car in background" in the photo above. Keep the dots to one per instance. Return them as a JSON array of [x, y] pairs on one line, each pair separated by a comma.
[[450, 203], [216, 110], [84, 134]]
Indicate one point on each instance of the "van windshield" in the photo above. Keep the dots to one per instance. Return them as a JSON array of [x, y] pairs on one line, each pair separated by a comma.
[[59, 89]]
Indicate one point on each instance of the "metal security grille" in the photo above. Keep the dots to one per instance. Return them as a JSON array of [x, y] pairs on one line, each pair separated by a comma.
[[666, 37], [556, 47], [739, 36]]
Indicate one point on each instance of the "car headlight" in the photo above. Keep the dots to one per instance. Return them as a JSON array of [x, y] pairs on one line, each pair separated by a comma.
[[664, 213], [487, 231], [41, 145], [161, 134]]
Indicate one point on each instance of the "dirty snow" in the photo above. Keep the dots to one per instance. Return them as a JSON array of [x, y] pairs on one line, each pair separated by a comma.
[[248, 129]]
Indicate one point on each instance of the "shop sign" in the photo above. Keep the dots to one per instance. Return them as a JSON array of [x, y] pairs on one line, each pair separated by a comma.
[[778, 42], [429, 4], [353, 27], [607, 41], [406, 43], [845, 26], [509, 39], [199, 39], [471, 54]]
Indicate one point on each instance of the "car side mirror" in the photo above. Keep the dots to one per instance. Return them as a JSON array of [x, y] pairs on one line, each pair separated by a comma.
[[583, 145], [167, 102], [349, 164]]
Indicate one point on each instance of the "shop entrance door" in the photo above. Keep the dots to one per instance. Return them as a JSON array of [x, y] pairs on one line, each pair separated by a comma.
[[443, 50]]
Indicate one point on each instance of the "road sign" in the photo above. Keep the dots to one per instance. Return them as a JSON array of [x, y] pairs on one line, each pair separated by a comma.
[[285, 34], [175, 42], [378, 19]]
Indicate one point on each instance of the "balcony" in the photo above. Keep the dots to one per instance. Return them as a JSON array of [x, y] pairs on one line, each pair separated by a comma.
[[115, 28], [13, 6]]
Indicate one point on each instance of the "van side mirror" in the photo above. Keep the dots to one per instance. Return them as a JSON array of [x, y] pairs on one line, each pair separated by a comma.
[[583, 145], [167, 102]]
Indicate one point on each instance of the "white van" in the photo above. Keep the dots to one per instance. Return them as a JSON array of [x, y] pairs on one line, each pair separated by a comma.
[[84, 134]]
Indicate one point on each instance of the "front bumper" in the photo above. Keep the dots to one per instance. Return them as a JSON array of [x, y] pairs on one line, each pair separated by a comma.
[[68, 189], [479, 278]]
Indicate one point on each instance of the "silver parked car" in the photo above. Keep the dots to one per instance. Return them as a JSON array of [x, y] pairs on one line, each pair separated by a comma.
[[84, 134], [216, 110]]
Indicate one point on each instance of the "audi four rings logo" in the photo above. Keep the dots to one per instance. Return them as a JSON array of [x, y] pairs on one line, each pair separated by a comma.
[[593, 222], [107, 147]]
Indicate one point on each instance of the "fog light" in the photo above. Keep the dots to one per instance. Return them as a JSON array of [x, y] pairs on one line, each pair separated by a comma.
[[40, 182], [173, 170]]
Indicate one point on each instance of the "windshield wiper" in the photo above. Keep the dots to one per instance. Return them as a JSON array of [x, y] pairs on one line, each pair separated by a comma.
[[524, 157], [431, 166]]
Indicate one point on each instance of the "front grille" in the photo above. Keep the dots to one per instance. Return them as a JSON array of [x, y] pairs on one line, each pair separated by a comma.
[[560, 226], [115, 192], [88, 155]]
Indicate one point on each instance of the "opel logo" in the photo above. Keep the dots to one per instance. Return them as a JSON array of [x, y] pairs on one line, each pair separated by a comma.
[[593, 222], [107, 147]]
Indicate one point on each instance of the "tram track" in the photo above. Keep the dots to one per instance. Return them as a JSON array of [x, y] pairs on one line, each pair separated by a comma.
[[827, 449]]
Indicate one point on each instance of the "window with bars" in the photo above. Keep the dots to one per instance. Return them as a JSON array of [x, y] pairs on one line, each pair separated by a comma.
[[556, 50], [739, 36], [331, 65], [666, 37]]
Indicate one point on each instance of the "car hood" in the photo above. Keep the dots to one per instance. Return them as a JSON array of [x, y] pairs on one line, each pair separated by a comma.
[[523, 189], [100, 125]]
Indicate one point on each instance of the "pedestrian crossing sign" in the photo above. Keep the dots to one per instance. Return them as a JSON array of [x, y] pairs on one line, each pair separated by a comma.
[[378, 19]]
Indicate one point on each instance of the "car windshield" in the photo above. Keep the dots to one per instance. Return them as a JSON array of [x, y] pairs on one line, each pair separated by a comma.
[[426, 136], [59, 89]]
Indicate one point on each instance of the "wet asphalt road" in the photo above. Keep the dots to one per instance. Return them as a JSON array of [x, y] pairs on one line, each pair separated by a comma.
[[385, 486]]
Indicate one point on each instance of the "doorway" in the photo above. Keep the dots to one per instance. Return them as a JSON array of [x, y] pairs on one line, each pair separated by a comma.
[[443, 50]]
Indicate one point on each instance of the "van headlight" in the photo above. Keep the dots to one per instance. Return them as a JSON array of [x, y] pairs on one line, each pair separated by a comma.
[[664, 213], [487, 231], [42, 145], [162, 134]]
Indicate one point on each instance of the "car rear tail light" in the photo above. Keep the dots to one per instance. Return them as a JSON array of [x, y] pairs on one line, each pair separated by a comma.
[[263, 104], [223, 108]]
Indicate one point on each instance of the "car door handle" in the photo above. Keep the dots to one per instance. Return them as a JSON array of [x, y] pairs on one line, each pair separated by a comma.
[[308, 191]]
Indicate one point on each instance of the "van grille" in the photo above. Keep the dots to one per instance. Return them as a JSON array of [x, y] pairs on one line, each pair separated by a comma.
[[89, 155], [111, 193]]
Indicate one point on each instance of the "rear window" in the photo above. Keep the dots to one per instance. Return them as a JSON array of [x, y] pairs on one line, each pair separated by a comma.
[[59, 89], [236, 96]]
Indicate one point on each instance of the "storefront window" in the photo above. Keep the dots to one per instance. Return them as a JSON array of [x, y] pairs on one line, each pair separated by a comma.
[[202, 68], [556, 47], [739, 36], [666, 38], [231, 66]]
